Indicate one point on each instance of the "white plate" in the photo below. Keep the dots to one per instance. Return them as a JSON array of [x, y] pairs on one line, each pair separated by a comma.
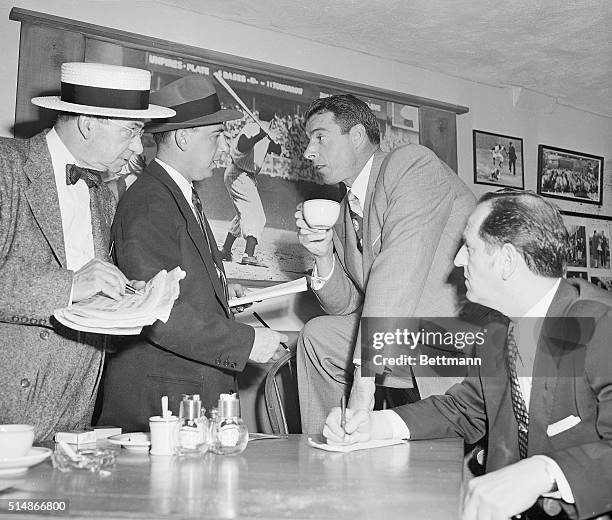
[[138, 441], [17, 465]]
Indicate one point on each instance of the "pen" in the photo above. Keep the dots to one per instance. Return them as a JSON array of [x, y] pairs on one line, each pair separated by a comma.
[[260, 320], [343, 414], [132, 290]]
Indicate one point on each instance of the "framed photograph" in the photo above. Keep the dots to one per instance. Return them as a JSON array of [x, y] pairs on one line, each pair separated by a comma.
[[568, 175], [498, 160]]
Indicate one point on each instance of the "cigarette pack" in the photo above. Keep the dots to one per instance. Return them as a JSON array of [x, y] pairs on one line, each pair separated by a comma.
[[77, 437], [104, 432]]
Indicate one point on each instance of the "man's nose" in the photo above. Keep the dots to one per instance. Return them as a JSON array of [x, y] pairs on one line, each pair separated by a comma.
[[136, 145], [460, 256], [310, 153]]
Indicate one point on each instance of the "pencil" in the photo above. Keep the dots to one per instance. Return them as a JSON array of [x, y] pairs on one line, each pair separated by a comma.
[[260, 320], [132, 290]]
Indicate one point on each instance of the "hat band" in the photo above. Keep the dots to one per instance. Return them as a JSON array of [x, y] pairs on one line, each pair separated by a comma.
[[196, 108], [105, 97]]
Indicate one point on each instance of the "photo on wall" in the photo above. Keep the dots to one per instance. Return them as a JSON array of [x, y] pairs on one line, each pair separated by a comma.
[[578, 246], [599, 247], [569, 175], [498, 160], [603, 282], [262, 202]]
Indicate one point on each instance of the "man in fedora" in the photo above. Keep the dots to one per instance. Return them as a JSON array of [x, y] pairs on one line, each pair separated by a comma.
[[160, 224], [55, 220]]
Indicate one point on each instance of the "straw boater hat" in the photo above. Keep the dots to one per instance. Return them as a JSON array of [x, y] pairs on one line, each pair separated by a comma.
[[196, 103], [104, 90]]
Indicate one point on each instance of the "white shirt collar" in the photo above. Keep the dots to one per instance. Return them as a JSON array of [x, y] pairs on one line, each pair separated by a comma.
[[360, 185], [184, 185], [60, 155], [540, 309]]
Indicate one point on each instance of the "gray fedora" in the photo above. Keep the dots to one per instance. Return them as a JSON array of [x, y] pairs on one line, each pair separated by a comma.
[[195, 101]]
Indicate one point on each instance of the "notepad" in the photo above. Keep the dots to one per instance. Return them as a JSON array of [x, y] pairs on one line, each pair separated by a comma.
[[355, 447], [281, 289]]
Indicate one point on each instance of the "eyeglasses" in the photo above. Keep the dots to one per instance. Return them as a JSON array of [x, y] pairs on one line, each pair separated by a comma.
[[131, 132]]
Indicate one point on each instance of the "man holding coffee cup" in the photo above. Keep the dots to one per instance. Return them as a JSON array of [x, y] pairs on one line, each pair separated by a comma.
[[389, 254]]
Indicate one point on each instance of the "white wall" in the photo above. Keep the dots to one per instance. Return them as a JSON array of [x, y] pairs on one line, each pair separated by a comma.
[[538, 120]]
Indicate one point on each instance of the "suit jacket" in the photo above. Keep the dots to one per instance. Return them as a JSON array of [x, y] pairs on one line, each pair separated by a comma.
[[572, 376], [200, 348], [49, 374], [415, 211]]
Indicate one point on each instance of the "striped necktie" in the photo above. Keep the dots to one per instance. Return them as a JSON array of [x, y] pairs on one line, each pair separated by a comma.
[[355, 212], [518, 403], [197, 204]]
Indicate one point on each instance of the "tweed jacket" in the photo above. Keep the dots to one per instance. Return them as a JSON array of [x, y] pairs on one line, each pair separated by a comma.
[[414, 214], [572, 376], [49, 374]]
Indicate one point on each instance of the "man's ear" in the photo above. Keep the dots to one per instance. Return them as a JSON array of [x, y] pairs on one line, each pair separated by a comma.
[[181, 138], [510, 259], [358, 135], [85, 125]]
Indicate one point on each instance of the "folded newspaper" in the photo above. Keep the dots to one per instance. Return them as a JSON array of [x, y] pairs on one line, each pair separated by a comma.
[[281, 289], [128, 315]]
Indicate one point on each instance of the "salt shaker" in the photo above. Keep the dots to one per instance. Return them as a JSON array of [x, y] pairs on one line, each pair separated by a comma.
[[193, 427], [232, 433]]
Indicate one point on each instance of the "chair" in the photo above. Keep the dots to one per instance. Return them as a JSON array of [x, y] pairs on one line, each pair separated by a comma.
[[278, 397]]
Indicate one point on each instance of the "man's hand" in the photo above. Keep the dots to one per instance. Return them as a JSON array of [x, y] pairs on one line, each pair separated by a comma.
[[266, 345], [97, 276], [506, 492], [362, 392], [317, 241], [358, 427], [235, 290]]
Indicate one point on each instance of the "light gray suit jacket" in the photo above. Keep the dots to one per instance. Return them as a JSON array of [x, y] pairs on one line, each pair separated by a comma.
[[48, 374], [415, 212]]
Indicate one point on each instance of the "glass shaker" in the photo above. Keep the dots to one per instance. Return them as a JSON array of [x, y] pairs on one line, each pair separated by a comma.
[[193, 427], [232, 433]]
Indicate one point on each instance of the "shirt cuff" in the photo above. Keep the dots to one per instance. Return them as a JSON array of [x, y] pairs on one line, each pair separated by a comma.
[[399, 429], [564, 491], [317, 282]]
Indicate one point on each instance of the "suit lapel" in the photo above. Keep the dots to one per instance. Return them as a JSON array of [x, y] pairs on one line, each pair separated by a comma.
[[41, 194], [549, 356], [193, 228], [371, 232]]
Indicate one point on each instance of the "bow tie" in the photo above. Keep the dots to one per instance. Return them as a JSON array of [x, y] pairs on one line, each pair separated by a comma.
[[74, 173]]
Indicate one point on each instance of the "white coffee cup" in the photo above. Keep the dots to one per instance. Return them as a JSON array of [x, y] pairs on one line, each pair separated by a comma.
[[15, 440], [164, 434], [320, 213]]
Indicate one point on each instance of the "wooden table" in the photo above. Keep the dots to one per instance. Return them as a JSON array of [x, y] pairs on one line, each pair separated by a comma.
[[282, 478]]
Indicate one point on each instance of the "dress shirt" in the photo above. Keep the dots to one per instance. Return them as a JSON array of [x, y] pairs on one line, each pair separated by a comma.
[[74, 206], [526, 339], [356, 191], [184, 185]]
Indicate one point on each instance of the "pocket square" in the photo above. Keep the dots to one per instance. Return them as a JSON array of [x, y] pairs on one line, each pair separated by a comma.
[[560, 426]]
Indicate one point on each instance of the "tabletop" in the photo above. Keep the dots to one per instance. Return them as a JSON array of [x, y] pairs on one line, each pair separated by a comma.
[[280, 478]]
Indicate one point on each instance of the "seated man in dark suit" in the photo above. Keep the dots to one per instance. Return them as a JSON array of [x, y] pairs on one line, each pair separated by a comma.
[[543, 395]]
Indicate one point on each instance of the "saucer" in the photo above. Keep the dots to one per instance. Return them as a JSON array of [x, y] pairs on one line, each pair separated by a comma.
[[14, 466], [137, 441]]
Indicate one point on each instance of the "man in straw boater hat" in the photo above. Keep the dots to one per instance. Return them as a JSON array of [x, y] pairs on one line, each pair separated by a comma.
[[160, 224], [55, 221]]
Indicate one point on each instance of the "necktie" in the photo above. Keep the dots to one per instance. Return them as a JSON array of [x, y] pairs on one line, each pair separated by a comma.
[[74, 173], [197, 204], [101, 205], [518, 403], [356, 219]]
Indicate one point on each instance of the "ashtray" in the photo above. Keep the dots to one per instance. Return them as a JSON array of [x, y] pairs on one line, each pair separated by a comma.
[[90, 459]]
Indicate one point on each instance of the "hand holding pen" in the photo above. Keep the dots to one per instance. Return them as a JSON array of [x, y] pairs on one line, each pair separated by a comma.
[[355, 427]]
